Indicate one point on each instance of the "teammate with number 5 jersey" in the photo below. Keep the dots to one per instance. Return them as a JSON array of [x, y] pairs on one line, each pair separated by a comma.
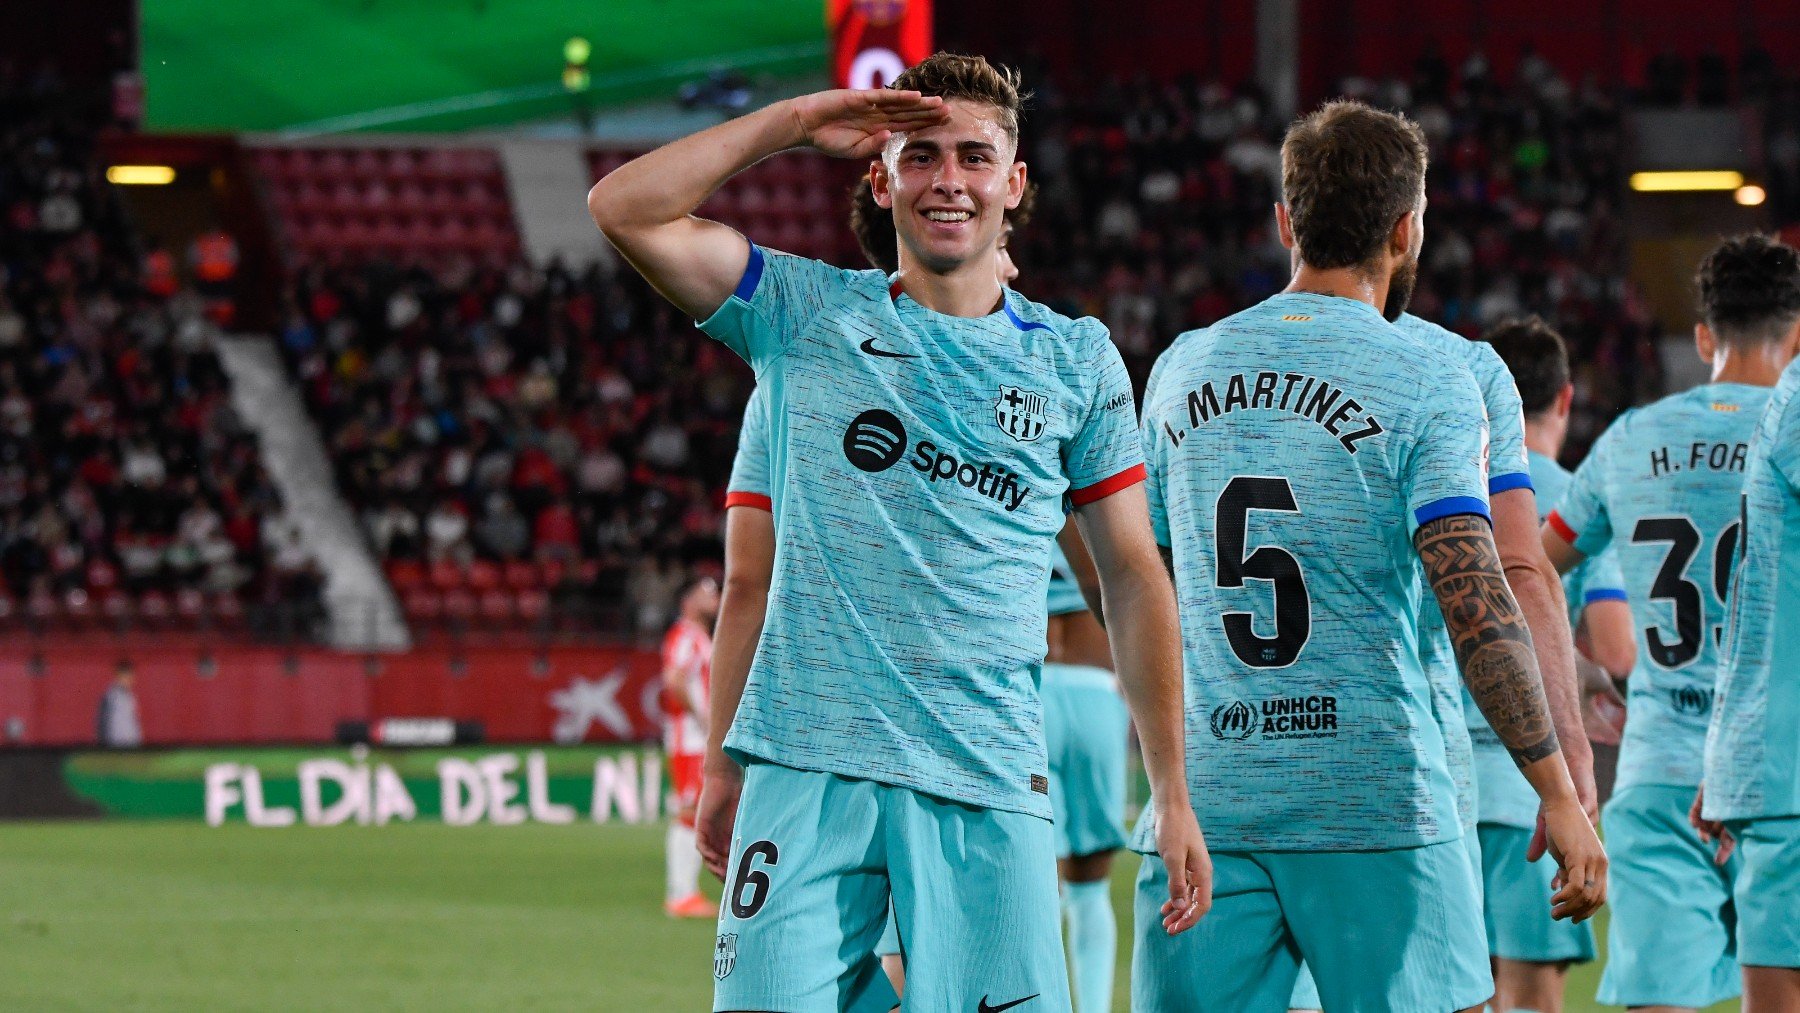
[[1663, 488], [1305, 458]]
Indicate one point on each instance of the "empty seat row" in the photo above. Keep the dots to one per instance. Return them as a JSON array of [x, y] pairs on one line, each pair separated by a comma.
[[377, 163], [482, 575]]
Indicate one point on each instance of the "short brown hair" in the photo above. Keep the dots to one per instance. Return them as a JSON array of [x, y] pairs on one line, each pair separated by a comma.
[[954, 75], [1537, 358], [1750, 289], [1348, 172], [873, 224]]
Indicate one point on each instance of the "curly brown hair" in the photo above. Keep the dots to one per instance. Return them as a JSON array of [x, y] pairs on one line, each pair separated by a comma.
[[873, 225], [1348, 173], [957, 76], [1750, 289]]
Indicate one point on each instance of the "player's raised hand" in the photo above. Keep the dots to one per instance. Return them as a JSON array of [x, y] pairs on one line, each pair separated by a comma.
[[1581, 877], [716, 815], [856, 123], [1183, 851]]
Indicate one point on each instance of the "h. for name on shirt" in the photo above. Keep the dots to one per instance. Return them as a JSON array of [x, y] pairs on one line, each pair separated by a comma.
[[1700, 456]]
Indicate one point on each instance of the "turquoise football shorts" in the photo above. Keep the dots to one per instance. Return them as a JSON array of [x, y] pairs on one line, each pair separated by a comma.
[[1768, 891], [1381, 930], [814, 861], [1306, 991], [1672, 940], [1085, 730]]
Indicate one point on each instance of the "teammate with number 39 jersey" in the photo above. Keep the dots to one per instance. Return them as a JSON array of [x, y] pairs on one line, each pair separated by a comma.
[[1663, 488]]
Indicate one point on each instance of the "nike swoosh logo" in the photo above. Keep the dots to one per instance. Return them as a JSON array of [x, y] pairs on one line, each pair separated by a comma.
[[870, 348], [985, 1008]]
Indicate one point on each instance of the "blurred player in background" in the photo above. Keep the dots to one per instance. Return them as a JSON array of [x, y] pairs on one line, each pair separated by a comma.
[[1292, 449], [1086, 729], [1752, 760], [686, 679], [924, 431], [1663, 487], [1532, 951]]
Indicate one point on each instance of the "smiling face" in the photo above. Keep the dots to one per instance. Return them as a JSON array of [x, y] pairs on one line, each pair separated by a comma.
[[949, 187]]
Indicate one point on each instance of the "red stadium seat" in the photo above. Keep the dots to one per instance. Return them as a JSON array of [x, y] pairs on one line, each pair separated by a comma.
[[496, 607], [423, 603], [227, 609], [532, 604], [519, 574], [405, 574], [459, 604], [190, 605], [78, 608], [153, 608], [483, 576], [554, 572], [445, 574]]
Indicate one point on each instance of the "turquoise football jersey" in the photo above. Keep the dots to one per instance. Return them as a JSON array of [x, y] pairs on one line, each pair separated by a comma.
[[1507, 469], [1293, 450], [1753, 745], [749, 482], [1506, 797], [918, 468], [1661, 487]]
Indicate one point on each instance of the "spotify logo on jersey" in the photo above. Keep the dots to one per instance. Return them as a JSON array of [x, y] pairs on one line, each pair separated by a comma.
[[875, 440]]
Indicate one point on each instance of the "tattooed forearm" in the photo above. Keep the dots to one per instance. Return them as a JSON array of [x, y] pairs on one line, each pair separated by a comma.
[[1493, 645]]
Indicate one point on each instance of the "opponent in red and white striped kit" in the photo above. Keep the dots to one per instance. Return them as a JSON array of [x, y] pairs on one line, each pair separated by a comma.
[[686, 682]]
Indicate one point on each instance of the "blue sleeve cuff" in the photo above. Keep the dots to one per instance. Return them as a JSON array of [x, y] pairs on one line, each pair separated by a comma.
[[1507, 483], [1605, 594], [753, 272], [1449, 506]]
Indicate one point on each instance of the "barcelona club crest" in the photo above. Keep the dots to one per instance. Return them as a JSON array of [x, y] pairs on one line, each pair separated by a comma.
[[725, 955], [1022, 414]]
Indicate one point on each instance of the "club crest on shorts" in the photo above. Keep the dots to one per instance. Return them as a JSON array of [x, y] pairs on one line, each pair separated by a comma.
[[1022, 414], [725, 955]]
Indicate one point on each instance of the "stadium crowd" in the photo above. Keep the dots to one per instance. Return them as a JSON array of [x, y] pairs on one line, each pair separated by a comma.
[[128, 487], [567, 418]]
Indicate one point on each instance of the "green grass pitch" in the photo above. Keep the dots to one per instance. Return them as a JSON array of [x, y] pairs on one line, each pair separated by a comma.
[[178, 916], [445, 64]]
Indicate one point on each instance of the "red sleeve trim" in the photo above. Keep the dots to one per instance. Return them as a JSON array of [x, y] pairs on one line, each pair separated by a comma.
[[749, 499], [1102, 489], [1561, 527]]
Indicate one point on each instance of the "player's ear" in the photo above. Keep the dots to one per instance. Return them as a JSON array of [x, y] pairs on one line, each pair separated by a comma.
[[1284, 226], [1400, 240], [1015, 185], [878, 184], [1565, 400], [1705, 342]]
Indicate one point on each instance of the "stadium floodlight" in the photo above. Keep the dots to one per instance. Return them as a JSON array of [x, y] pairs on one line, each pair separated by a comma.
[[1750, 195], [575, 76], [140, 175], [1686, 180]]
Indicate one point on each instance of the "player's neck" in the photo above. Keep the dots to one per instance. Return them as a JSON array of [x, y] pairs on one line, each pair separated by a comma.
[[1758, 365], [1342, 282], [1545, 437], [968, 290]]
